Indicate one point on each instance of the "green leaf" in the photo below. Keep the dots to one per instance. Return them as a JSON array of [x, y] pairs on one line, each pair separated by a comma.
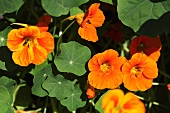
[[4, 99], [39, 67], [73, 100], [75, 11], [9, 84], [60, 7], [107, 1], [39, 78], [57, 86], [9, 6], [72, 58], [98, 105], [134, 13], [2, 65], [3, 36]]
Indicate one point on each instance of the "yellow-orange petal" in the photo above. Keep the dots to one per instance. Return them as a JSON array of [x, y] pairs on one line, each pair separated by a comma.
[[131, 104], [88, 33], [101, 80], [40, 54], [23, 57], [111, 100], [98, 19], [14, 41], [33, 31], [46, 40], [150, 69]]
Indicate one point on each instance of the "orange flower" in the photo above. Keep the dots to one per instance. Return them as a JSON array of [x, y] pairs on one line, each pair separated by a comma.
[[150, 46], [29, 45], [114, 101], [90, 92], [168, 87], [139, 72], [106, 70], [94, 17]]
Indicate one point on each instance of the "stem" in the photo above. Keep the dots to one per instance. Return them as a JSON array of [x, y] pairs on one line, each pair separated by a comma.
[[45, 108], [16, 91], [61, 34], [53, 104], [164, 74]]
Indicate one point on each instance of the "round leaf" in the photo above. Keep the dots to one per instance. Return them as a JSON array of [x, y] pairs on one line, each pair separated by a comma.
[[9, 6], [60, 7], [9, 84], [134, 13], [4, 99], [72, 58], [73, 101], [57, 86], [39, 78]]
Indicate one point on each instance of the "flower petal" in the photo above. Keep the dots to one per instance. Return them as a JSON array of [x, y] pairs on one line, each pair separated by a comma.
[[46, 40], [131, 104], [40, 55], [111, 100], [14, 41], [23, 56], [88, 33]]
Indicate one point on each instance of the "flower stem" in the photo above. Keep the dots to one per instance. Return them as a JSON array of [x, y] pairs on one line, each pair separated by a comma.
[[164, 74], [53, 104], [61, 34]]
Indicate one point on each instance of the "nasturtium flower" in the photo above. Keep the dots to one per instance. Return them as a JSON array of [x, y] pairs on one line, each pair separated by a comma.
[[114, 101], [150, 46], [94, 17], [90, 92], [43, 22], [168, 86], [139, 72], [30, 45], [105, 70]]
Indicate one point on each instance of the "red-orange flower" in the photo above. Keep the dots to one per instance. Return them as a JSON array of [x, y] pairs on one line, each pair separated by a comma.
[[106, 70], [43, 22], [150, 46], [90, 92], [94, 17], [114, 101], [139, 72], [168, 86], [29, 45]]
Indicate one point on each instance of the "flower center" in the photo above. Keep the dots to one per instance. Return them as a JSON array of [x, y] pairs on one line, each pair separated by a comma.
[[141, 47], [136, 71], [28, 40], [105, 67]]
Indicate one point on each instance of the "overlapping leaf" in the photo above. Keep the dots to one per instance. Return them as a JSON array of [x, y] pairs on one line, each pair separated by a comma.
[[73, 100], [98, 105], [9, 84], [57, 86], [72, 58], [4, 99], [39, 78], [9, 6], [134, 13], [7, 87], [60, 7]]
